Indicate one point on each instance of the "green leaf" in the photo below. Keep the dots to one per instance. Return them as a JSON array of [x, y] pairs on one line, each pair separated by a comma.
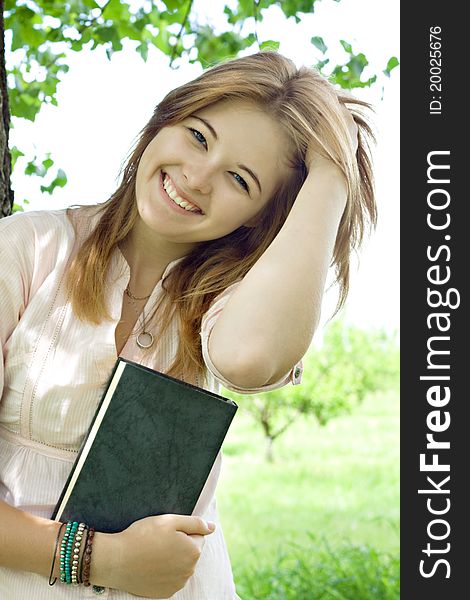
[[21, 106], [176, 4], [15, 153], [291, 8], [270, 45], [17, 41], [17, 208], [115, 11], [246, 6], [392, 63], [33, 37], [26, 16], [162, 41], [59, 181], [143, 50], [33, 169], [61, 178], [346, 46], [321, 63], [319, 43], [47, 163], [127, 30], [105, 34]]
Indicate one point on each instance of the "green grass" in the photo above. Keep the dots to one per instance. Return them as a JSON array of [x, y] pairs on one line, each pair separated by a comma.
[[319, 573], [338, 483]]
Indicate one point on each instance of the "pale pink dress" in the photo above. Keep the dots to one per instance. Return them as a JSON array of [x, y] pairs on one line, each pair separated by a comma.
[[52, 374]]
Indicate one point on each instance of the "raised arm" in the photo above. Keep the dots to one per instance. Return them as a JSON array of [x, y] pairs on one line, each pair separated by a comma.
[[271, 317]]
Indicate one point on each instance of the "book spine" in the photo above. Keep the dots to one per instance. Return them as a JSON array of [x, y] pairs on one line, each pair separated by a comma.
[[91, 437]]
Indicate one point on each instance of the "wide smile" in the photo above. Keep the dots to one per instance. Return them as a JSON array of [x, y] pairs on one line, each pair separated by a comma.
[[187, 209]]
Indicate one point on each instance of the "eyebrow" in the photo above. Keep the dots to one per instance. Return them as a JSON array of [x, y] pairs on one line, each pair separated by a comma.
[[243, 167]]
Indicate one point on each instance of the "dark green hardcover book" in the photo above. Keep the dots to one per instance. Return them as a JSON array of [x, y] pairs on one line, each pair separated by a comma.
[[148, 451]]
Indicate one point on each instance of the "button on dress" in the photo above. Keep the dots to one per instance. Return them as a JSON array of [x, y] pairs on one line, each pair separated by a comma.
[[53, 371]]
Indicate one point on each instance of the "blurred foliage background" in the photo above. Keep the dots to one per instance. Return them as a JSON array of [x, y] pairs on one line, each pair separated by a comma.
[[313, 513]]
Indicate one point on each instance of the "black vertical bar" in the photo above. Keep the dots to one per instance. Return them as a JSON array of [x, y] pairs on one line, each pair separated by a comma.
[[435, 259]]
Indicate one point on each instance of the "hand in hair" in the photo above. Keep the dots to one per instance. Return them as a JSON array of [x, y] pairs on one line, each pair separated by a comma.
[[352, 127], [315, 156]]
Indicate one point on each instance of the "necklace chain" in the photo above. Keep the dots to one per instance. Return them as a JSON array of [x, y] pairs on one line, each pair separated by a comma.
[[131, 295], [144, 339]]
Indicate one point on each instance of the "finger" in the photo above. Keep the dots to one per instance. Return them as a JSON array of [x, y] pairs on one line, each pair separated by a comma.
[[199, 540], [351, 125], [193, 525]]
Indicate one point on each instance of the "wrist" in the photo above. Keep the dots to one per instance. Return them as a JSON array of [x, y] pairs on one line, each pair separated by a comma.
[[326, 175], [105, 560], [322, 165]]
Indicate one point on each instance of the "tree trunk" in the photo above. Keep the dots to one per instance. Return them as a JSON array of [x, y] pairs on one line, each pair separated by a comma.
[[269, 449], [6, 193]]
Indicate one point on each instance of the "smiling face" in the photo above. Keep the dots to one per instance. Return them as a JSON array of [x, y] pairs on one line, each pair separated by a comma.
[[221, 165]]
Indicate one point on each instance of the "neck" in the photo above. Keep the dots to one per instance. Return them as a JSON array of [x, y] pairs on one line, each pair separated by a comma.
[[148, 255]]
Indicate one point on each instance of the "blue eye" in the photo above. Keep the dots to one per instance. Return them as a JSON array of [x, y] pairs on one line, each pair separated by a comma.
[[198, 135], [241, 181]]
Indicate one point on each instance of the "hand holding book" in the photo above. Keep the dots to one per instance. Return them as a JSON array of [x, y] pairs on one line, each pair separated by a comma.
[[153, 558]]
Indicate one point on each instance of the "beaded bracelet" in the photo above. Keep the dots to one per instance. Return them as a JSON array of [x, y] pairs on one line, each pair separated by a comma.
[[87, 558], [63, 549], [84, 544], [68, 552], [76, 553]]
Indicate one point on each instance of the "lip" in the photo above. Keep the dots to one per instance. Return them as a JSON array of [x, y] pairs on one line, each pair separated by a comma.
[[172, 204]]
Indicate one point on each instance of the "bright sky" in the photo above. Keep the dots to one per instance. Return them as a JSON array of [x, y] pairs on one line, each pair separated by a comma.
[[104, 104]]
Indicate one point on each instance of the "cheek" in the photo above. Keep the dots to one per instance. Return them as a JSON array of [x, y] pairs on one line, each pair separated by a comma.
[[234, 217]]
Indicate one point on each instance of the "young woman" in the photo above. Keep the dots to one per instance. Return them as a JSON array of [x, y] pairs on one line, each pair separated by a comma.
[[208, 263]]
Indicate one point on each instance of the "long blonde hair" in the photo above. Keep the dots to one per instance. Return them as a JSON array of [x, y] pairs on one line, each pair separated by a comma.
[[306, 105]]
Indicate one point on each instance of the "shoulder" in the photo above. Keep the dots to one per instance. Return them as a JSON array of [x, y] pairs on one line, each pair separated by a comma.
[[36, 240], [29, 226], [35, 244], [46, 230]]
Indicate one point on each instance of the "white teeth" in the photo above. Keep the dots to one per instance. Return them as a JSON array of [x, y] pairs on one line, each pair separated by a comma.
[[174, 196]]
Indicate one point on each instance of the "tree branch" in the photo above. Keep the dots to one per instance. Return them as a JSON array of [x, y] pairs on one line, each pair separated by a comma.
[[94, 20], [282, 429], [255, 15], [180, 33]]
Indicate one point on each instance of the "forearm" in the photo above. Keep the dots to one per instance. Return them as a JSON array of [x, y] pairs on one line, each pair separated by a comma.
[[272, 315], [27, 543]]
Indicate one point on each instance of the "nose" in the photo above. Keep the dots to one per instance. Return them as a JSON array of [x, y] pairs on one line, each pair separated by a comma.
[[198, 177]]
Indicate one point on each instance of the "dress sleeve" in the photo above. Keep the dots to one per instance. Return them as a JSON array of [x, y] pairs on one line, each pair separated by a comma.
[[294, 376], [17, 249]]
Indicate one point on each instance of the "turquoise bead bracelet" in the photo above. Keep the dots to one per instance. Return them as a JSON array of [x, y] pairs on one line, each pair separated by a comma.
[[68, 553], [75, 551], [63, 547]]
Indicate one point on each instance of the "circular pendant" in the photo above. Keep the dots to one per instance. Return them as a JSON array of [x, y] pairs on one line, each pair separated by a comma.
[[144, 339]]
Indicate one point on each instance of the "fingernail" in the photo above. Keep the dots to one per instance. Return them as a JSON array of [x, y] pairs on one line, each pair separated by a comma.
[[211, 525]]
